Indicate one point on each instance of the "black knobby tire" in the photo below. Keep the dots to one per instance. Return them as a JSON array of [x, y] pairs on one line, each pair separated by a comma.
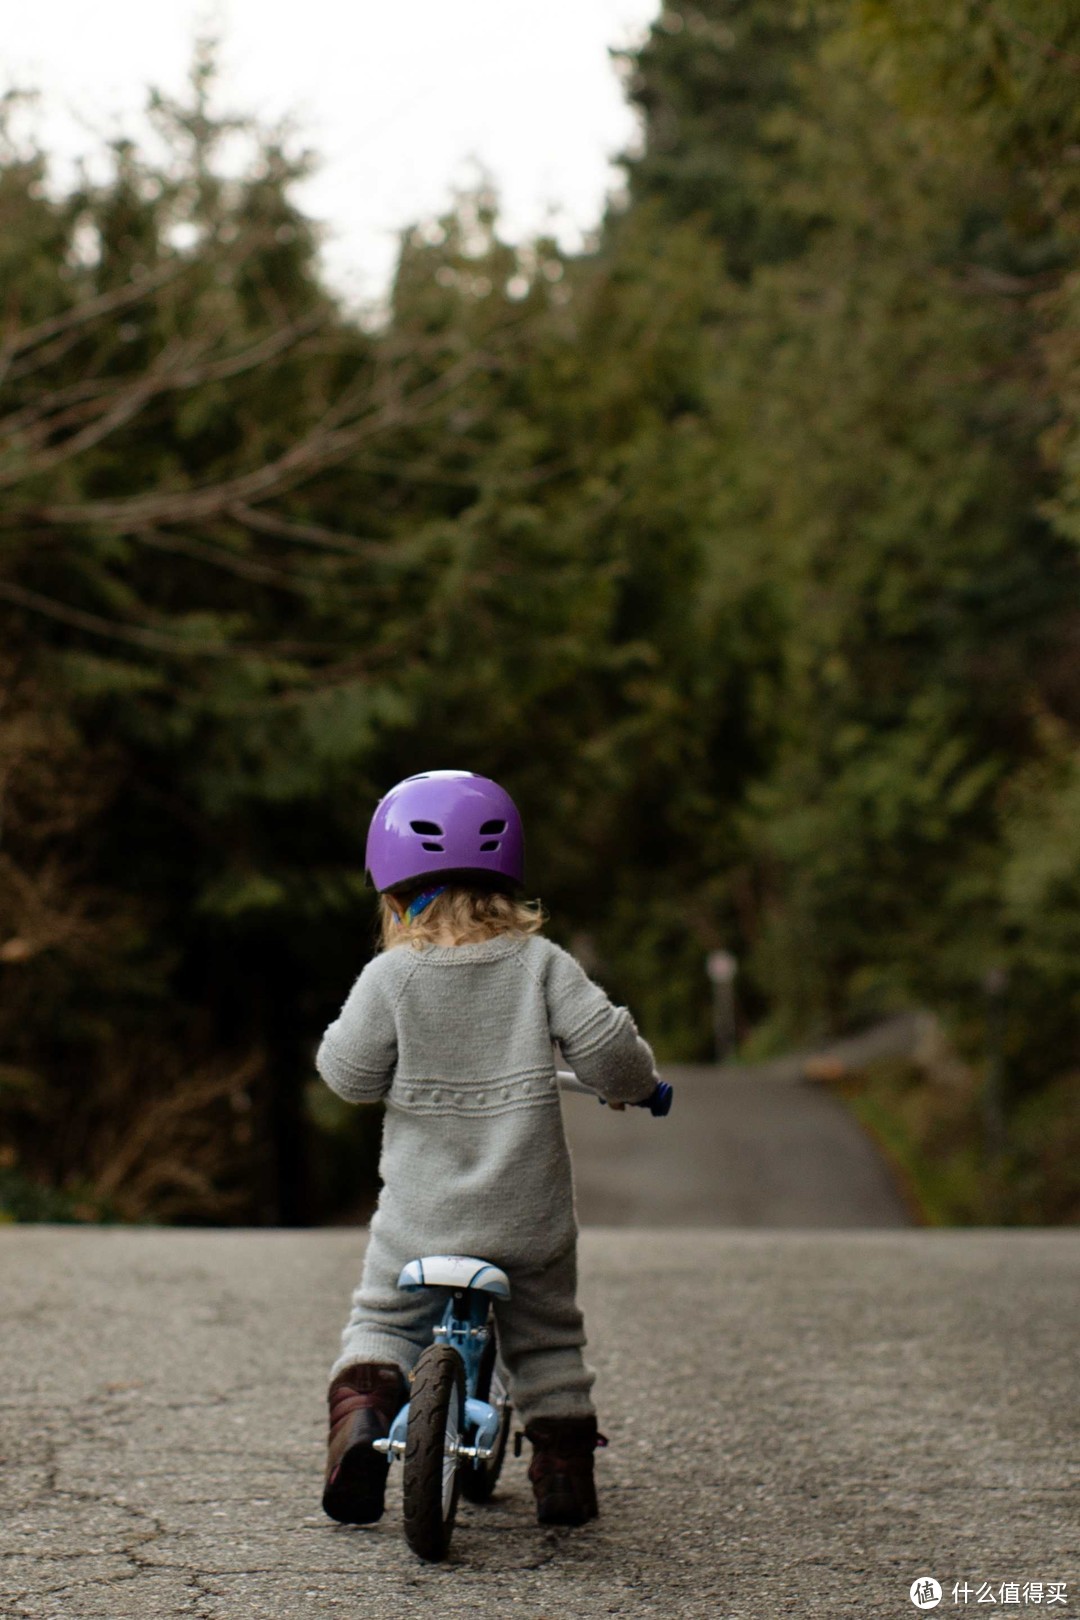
[[431, 1481], [478, 1479]]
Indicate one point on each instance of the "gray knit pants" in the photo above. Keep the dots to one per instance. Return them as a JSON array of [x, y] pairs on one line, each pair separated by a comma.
[[541, 1331]]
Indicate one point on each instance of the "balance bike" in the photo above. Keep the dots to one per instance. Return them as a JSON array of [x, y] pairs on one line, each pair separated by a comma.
[[451, 1435], [452, 1432]]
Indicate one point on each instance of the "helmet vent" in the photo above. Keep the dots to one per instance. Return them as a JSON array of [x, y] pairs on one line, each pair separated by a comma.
[[436, 847], [492, 827], [493, 844], [432, 828]]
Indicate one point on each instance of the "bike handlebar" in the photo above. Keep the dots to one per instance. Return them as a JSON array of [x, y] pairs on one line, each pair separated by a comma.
[[658, 1102]]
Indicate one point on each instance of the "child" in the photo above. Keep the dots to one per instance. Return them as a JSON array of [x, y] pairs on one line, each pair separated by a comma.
[[453, 1025]]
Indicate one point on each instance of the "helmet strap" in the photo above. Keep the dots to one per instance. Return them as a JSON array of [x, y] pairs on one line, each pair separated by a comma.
[[415, 907]]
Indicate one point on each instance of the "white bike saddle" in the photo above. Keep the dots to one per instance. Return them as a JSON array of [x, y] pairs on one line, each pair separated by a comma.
[[455, 1271]]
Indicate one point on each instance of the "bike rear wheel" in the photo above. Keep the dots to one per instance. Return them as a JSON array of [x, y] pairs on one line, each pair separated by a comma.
[[478, 1479], [432, 1475]]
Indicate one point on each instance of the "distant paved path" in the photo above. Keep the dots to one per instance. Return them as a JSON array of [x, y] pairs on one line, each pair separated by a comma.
[[742, 1147], [800, 1423]]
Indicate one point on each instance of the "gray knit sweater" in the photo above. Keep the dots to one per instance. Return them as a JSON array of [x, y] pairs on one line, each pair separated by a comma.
[[458, 1040]]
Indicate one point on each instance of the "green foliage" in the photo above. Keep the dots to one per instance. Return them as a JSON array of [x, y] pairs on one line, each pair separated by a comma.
[[892, 386], [930, 1135], [932, 1132], [880, 398], [713, 83], [22, 1199], [743, 549]]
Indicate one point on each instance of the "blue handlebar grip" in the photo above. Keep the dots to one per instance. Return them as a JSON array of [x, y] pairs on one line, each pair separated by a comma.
[[658, 1102]]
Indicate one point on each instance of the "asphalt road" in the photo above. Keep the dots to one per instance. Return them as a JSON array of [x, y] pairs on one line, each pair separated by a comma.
[[801, 1423], [758, 1147]]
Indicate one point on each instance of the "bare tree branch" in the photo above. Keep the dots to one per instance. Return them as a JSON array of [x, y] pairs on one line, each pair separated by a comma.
[[114, 628], [66, 407], [155, 640], [80, 314], [157, 1122], [326, 445], [128, 405], [312, 534], [229, 561]]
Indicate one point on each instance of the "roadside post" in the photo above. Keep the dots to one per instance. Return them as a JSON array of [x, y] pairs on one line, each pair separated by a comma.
[[995, 989], [721, 968]]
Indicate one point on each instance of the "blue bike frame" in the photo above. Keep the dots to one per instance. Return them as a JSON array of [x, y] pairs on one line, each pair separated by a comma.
[[464, 1327]]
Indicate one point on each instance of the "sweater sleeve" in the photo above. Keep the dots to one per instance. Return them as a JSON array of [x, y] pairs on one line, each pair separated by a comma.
[[358, 1053], [599, 1040]]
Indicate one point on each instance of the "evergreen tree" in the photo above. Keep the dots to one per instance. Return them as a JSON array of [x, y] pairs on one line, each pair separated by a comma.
[[716, 83]]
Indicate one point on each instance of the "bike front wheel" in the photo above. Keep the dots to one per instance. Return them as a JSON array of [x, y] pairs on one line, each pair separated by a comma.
[[432, 1477]]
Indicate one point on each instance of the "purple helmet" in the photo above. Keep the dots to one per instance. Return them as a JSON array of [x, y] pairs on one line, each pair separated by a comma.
[[444, 823]]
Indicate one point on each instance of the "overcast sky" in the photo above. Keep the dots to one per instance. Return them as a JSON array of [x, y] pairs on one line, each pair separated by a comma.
[[397, 98]]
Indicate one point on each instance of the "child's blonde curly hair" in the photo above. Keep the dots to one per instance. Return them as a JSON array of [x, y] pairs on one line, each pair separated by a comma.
[[460, 916]]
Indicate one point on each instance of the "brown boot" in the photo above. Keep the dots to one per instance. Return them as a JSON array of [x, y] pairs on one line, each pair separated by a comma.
[[561, 1471], [364, 1400]]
